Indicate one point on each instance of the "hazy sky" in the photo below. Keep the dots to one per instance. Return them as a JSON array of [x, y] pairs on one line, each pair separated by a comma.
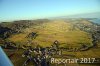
[[35, 9]]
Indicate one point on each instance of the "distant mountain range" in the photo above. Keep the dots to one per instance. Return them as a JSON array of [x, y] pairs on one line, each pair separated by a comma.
[[87, 15], [93, 17]]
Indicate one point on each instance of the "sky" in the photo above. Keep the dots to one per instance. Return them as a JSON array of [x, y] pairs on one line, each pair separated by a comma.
[[38, 9]]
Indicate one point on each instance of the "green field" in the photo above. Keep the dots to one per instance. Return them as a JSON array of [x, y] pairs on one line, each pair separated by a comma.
[[51, 31]]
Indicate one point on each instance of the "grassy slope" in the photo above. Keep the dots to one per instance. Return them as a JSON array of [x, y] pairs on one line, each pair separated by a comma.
[[51, 31], [55, 30]]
